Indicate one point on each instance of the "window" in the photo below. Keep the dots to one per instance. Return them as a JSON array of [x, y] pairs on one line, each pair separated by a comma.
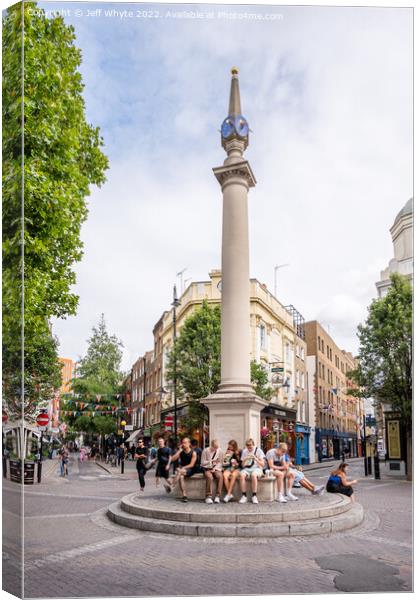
[[287, 353], [302, 353], [319, 342], [302, 381], [297, 350], [262, 336], [323, 346]]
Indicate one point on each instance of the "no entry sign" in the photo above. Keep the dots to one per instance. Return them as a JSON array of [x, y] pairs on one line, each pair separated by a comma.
[[42, 419], [4, 417]]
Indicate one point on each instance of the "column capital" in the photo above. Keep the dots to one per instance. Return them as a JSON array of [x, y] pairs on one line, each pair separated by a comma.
[[236, 170]]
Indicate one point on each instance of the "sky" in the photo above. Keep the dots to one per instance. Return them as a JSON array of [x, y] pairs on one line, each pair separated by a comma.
[[328, 94]]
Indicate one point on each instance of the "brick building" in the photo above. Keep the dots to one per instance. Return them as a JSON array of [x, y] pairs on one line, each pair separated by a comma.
[[337, 414]]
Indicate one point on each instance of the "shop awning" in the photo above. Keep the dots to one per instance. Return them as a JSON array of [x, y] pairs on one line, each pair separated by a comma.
[[134, 435]]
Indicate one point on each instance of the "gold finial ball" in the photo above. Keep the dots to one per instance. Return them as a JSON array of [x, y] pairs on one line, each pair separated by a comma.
[[234, 71]]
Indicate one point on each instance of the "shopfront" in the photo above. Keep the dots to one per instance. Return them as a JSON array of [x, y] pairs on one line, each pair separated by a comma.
[[332, 444], [280, 426], [302, 444]]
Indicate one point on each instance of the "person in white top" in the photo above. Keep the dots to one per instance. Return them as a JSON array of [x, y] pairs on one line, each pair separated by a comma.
[[212, 465], [253, 462], [280, 471], [296, 475]]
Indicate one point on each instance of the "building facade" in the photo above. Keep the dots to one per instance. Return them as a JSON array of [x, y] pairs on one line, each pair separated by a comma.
[[402, 236], [338, 415], [276, 343]]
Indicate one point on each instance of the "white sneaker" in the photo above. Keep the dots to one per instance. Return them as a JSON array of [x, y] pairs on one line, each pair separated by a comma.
[[255, 500], [281, 498], [208, 500], [291, 496], [243, 500], [217, 499], [227, 498], [319, 490]]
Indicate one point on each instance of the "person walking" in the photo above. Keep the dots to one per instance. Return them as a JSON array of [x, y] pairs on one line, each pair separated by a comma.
[[339, 484], [64, 454], [211, 464], [140, 455]]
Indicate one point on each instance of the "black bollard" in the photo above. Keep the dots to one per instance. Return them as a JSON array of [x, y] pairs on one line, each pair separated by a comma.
[[122, 465], [377, 467], [369, 465]]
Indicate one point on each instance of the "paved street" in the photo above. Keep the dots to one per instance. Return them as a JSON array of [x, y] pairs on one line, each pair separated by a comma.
[[72, 549]]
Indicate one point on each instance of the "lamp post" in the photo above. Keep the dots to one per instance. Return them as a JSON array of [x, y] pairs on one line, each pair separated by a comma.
[[275, 275], [175, 304], [123, 423], [365, 448]]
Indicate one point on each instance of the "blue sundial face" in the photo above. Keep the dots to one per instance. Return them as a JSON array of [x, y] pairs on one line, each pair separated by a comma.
[[241, 126], [227, 128]]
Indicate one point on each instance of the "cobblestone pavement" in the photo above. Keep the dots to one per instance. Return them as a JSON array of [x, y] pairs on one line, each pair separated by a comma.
[[72, 549]]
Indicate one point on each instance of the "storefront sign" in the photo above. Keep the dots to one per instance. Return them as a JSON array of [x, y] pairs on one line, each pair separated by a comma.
[[393, 433]]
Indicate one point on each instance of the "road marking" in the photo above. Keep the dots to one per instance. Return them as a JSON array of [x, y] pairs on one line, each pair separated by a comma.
[[59, 516], [75, 552]]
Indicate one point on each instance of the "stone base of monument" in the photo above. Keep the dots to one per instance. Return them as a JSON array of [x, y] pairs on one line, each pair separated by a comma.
[[195, 488], [163, 513]]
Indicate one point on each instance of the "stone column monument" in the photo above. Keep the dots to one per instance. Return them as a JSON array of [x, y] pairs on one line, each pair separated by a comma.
[[234, 409]]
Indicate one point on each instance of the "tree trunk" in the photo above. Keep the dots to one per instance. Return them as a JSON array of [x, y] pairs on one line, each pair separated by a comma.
[[409, 455]]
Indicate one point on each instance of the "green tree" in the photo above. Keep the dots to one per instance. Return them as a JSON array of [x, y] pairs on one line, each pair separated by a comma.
[[62, 158], [384, 369], [98, 373], [196, 362], [259, 378]]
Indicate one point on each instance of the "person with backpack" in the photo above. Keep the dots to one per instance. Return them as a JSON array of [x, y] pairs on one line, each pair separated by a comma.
[[338, 483], [253, 463], [212, 465]]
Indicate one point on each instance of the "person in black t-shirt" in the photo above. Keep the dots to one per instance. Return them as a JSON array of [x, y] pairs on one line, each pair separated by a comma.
[[198, 450], [187, 460], [163, 461], [141, 454]]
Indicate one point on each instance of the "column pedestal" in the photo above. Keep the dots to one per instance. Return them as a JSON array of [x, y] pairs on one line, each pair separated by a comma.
[[234, 415]]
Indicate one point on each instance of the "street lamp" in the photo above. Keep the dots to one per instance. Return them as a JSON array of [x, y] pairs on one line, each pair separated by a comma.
[[123, 423], [175, 304], [275, 275]]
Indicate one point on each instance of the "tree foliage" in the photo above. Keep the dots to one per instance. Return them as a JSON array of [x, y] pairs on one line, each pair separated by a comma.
[[62, 158], [98, 372], [385, 357], [260, 380]]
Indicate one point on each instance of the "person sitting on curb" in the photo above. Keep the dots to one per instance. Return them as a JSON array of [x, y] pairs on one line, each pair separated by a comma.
[[231, 468], [211, 463], [338, 483], [253, 462], [297, 476], [187, 460], [280, 472]]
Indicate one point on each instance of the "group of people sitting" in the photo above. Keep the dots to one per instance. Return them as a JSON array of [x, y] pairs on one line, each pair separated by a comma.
[[223, 469]]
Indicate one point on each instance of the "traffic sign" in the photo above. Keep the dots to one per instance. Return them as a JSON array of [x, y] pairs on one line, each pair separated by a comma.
[[42, 427], [4, 417], [277, 369], [42, 419]]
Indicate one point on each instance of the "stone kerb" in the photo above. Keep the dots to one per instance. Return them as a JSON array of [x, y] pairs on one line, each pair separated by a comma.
[[195, 488]]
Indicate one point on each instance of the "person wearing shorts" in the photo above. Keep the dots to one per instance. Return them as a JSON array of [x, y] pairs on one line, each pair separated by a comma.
[[253, 462], [187, 459], [296, 476], [280, 472], [212, 466], [231, 468]]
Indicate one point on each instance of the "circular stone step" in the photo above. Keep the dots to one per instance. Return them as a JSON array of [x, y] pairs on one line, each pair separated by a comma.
[[309, 516]]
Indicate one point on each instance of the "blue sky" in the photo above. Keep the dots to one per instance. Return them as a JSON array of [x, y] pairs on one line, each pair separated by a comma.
[[328, 95]]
